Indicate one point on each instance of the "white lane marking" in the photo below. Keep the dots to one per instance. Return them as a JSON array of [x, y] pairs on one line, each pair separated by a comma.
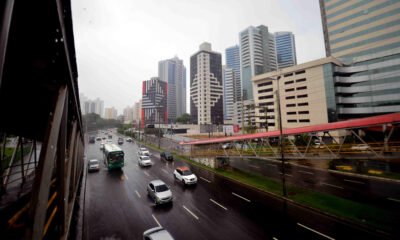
[[147, 174], [137, 193], [190, 212], [165, 171], [309, 173], [315, 231], [331, 185], [393, 199], [289, 175], [218, 204], [353, 181], [237, 195], [254, 166], [155, 219], [272, 165], [126, 176], [205, 180]]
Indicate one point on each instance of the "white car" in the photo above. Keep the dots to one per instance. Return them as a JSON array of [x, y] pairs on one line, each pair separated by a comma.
[[184, 175], [157, 233], [144, 161], [143, 152]]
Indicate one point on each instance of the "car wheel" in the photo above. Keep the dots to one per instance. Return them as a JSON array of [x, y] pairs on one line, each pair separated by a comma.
[[183, 181]]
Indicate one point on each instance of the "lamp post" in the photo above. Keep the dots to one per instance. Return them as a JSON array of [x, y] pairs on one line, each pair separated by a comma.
[[159, 126]]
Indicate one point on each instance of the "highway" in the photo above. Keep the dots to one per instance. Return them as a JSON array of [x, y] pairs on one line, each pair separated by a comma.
[[381, 192], [116, 206]]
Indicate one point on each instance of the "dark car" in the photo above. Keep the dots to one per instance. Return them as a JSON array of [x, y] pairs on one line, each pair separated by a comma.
[[166, 156], [92, 139], [120, 141]]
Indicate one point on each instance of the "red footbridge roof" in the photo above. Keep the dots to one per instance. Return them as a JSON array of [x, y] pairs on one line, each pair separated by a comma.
[[349, 124]]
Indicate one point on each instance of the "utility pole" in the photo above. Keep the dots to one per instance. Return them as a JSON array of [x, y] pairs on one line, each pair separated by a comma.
[[242, 117], [281, 143], [139, 128], [159, 127]]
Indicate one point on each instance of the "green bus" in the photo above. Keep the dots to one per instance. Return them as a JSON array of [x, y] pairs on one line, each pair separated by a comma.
[[113, 156]]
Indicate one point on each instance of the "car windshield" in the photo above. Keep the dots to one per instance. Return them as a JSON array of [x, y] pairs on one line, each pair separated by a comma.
[[145, 158], [186, 172], [161, 188], [143, 149]]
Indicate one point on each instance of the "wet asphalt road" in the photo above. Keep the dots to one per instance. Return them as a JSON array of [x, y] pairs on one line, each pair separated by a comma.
[[117, 207]]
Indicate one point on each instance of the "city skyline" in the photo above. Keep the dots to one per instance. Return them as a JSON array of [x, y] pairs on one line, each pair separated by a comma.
[[114, 72]]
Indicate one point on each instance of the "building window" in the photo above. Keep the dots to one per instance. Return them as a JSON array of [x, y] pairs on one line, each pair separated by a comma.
[[292, 121], [265, 97], [301, 88], [301, 80], [266, 104], [265, 90], [302, 96], [302, 104], [289, 82], [300, 72], [304, 112], [264, 84], [290, 97], [291, 105], [291, 113], [288, 75], [304, 120], [289, 90]]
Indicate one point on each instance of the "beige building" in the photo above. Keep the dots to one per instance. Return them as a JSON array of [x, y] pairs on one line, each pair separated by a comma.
[[110, 113], [304, 93]]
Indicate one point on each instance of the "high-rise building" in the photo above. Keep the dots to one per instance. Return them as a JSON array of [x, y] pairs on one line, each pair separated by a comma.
[[229, 92], [173, 72], [365, 37], [128, 115], [92, 106], [154, 102], [233, 62], [206, 87], [110, 113], [257, 55], [99, 107], [285, 49], [137, 111]]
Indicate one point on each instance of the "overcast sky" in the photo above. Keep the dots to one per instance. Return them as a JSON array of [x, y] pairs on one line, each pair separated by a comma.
[[119, 43]]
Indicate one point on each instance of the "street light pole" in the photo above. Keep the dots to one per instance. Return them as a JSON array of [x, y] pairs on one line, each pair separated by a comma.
[[159, 127]]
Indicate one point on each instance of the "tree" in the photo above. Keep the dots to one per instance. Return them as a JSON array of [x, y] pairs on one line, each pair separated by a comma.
[[93, 121], [184, 118]]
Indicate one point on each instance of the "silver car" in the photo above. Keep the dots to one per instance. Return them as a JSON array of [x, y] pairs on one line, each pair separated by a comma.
[[144, 161], [93, 165], [157, 233], [159, 192]]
